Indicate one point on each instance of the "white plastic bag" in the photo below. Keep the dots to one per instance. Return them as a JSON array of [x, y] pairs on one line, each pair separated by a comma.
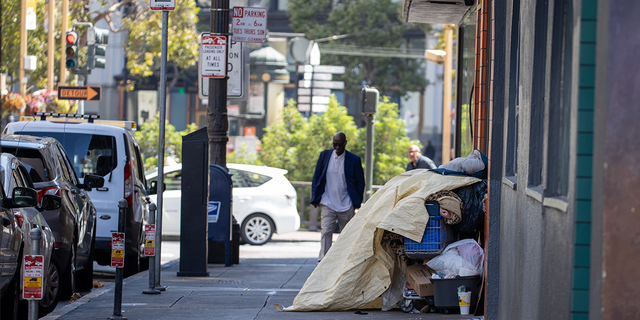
[[464, 258]]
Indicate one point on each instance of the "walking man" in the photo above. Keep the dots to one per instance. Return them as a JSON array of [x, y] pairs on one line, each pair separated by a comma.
[[338, 187], [418, 161]]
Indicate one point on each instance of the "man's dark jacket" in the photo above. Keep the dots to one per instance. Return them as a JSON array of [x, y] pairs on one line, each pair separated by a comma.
[[354, 176]]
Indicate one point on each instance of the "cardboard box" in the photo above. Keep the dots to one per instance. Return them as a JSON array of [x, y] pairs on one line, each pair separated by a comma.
[[418, 276]]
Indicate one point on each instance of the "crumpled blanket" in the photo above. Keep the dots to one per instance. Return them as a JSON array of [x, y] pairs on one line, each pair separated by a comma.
[[357, 269]]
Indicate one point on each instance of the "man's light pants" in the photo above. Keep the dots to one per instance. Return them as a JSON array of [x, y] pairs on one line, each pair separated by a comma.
[[328, 224]]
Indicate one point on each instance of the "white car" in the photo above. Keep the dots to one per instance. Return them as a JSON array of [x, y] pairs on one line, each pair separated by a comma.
[[264, 201]]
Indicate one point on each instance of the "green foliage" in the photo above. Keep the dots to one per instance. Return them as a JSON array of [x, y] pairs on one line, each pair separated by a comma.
[[36, 43], [148, 137], [294, 142], [143, 44], [465, 130], [373, 23]]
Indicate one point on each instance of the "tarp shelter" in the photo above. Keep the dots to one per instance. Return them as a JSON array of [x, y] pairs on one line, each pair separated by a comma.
[[357, 270]]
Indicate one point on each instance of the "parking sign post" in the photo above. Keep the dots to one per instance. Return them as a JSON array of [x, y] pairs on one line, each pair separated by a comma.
[[117, 297], [152, 258], [36, 236]]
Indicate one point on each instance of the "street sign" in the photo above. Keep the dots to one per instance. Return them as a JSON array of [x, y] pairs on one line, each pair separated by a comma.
[[149, 240], [318, 76], [321, 84], [249, 24], [237, 72], [117, 249], [321, 69], [213, 56], [314, 99], [316, 92], [163, 5], [88, 93], [33, 270]]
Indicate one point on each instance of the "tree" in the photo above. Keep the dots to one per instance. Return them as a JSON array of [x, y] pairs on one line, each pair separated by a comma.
[[148, 137], [143, 44], [370, 23], [294, 143]]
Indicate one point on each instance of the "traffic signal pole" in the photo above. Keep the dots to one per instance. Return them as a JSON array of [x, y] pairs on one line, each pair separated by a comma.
[[63, 55], [217, 122]]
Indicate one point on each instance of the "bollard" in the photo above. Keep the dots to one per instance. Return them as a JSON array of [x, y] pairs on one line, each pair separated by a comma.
[[117, 299], [35, 235], [152, 259]]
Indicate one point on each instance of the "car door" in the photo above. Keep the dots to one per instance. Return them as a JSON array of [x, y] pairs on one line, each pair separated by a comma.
[[242, 195], [84, 221], [10, 241]]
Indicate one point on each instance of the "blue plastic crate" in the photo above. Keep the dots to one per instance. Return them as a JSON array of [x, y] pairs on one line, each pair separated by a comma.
[[432, 243]]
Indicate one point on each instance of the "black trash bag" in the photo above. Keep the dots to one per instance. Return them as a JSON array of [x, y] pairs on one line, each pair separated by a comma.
[[472, 199]]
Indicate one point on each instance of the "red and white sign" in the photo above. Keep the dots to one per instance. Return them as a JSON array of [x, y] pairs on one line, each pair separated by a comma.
[[150, 240], [117, 249], [162, 5], [213, 56], [33, 269], [249, 24]]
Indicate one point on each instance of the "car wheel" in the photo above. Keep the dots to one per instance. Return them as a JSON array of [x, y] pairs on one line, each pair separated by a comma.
[[257, 229], [10, 299], [51, 296], [84, 280], [68, 283]]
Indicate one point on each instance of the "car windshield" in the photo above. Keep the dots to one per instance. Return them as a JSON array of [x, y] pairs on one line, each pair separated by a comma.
[[89, 153]]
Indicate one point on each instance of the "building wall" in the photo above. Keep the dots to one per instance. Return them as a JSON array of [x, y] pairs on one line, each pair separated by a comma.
[[536, 229]]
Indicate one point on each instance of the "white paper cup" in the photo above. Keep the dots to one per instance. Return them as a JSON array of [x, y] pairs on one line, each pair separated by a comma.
[[464, 301]]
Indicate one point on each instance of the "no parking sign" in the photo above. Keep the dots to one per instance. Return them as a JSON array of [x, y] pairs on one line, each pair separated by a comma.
[[117, 249], [33, 269]]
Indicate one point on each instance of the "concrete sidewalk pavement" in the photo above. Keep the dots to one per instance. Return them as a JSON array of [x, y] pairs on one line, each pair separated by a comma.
[[248, 290]]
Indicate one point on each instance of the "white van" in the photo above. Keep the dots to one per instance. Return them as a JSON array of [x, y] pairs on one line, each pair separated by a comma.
[[107, 149]]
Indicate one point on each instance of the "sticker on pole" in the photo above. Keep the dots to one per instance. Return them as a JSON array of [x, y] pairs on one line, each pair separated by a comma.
[[33, 269], [150, 240], [162, 5], [249, 24], [213, 56], [117, 249]]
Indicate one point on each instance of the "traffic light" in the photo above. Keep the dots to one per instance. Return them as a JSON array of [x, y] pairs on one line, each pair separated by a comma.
[[370, 98], [72, 50], [96, 40]]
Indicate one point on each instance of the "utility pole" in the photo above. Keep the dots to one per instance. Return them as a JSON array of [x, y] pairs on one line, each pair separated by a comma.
[[51, 44], [23, 47], [446, 105], [217, 122], [64, 18]]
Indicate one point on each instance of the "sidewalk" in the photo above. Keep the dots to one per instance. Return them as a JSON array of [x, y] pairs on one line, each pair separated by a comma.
[[248, 290]]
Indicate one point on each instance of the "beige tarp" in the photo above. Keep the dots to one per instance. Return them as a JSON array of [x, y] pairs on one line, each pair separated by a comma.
[[356, 270]]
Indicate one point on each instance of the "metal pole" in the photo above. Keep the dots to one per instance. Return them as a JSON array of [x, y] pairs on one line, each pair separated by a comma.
[[217, 122], [81, 102], [368, 158], [163, 110], [446, 105], [117, 297], [23, 48], [51, 44], [152, 259], [35, 235], [64, 20]]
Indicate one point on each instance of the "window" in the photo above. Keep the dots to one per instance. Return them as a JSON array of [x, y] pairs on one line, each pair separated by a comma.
[[32, 160], [173, 180], [237, 179], [536, 127], [511, 164], [255, 179], [89, 154], [559, 100]]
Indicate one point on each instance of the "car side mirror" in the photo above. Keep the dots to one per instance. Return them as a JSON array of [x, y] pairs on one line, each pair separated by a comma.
[[153, 187], [92, 181], [51, 202], [24, 197]]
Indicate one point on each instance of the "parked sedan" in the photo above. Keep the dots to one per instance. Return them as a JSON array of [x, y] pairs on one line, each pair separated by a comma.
[[74, 223], [14, 174], [264, 201], [12, 247]]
